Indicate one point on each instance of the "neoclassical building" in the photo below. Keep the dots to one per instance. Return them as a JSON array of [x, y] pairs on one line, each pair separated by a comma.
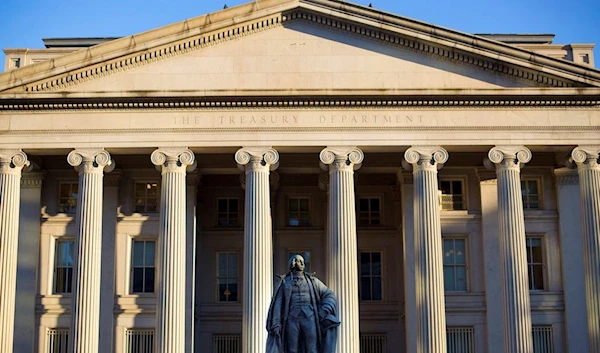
[[445, 185]]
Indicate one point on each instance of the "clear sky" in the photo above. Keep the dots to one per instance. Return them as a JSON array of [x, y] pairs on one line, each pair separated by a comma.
[[23, 24]]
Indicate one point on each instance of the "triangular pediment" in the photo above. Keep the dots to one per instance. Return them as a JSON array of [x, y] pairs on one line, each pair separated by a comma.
[[297, 45]]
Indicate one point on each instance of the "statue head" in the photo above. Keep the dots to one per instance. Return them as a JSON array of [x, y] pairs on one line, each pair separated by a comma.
[[297, 263]]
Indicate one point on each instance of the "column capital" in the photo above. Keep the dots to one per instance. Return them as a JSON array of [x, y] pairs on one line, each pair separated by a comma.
[[566, 176], [426, 157], [13, 161], [257, 158], [94, 161], [174, 159], [33, 179], [587, 157], [509, 157], [337, 158]]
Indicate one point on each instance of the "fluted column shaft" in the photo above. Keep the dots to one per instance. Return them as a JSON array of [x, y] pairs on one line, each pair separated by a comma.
[[588, 165], [11, 165], [513, 251], [429, 275], [170, 310], [342, 268], [258, 245], [85, 313]]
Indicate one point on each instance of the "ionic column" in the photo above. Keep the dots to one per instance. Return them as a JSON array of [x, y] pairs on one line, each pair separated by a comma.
[[429, 271], [588, 166], [257, 290], [171, 265], [513, 253], [342, 268], [85, 313], [11, 165], [571, 250]]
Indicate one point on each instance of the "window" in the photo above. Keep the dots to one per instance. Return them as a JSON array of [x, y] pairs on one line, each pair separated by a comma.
[[453, 197], [535, 262], [460, 340], [67, 199], [227, 276], [139, 341], [455, 265], [305, 255], [530, 194], [57, 340], [226, 344], [143, 266], [369, 211], [373, 343], [227, 212], [63, 266], [543, 341], [298, 211], [146, 197], [16, 63], [370, 276]]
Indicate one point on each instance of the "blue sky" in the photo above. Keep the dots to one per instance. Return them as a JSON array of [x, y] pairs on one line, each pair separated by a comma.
[[25, 23]]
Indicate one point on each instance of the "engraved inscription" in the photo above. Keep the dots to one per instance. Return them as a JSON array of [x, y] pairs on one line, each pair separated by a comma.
[[291, 120]]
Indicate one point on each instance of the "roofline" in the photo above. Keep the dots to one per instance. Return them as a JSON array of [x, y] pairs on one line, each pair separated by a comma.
[[387, 21], [548, 93]]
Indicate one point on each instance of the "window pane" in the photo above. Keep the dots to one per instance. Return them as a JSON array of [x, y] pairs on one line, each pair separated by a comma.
[[233, 289], [375, 205], [449, 284], [457, 187], [64, 255], [365, 285], [376, 261], [222, 205], [532, 186], [445, 186], [459, 252], [60, 280], [232, 265], [150, 255], [140, 189], [538, 277], [365, 263], [363, 205], [536, 253], [149, 280], [152, 189], [293, 205], [304, 205], [138, 253], [448, 251], [376, 288], [222, 289], [233, 205], [69, 279], [222, 265], [461, 278], [138, 280]]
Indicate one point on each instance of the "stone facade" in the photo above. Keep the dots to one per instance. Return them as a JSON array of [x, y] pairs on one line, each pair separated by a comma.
[[444, 185]]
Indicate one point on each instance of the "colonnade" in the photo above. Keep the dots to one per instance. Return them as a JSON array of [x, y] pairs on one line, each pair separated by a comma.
[[341, 267]]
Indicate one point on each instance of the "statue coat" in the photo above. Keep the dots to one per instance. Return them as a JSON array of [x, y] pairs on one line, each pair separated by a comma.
[[324, 303]]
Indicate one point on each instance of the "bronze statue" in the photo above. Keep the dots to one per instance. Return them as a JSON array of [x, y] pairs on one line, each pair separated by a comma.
[[303, 314]]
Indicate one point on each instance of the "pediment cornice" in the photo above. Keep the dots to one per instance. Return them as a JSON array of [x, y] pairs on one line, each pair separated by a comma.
[[233, 24], [305, 99]]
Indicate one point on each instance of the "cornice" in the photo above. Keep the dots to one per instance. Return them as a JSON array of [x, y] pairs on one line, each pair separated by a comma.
[[292, 102], [87, 65]]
